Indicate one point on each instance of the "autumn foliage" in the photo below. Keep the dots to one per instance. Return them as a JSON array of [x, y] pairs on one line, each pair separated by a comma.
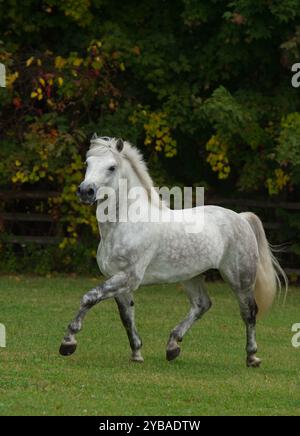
[[203, 88]]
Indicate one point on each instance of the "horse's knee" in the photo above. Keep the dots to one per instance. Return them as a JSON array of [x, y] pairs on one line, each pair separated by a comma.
[[91, 298]]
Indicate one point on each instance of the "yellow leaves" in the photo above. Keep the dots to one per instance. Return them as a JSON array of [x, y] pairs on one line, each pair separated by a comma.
[[29, 61], [37, 172], [42, 81], [11, 78], [77, 62], [282, 179], [43, 87], [158, 134], [122, 66], [20, 177], [59, 62], [217, 158], [63, 244], [38, 94], [43, 155], [278, 183]]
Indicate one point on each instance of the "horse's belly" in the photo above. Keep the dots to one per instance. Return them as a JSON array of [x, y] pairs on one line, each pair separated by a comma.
[[155, 277], [172, 271], [181, 256]]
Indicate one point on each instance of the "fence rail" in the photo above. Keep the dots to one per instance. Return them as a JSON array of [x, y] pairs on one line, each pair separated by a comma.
[[23, 240], [256, 204], [35, 195], [33, 218]]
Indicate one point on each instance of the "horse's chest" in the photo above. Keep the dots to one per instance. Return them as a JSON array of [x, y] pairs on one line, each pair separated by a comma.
[[110, 259], [103, 260]]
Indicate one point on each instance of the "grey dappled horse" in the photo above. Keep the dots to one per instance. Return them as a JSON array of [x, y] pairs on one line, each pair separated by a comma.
[[133, 253]]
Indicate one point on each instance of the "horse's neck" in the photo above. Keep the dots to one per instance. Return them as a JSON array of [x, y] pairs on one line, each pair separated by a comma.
[[124, 200], [130, 175]]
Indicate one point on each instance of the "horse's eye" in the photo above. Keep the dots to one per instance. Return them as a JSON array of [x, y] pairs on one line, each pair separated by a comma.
[[112, 168]]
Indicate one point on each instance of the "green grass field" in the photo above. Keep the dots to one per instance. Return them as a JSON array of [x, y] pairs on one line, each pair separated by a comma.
[[209, 377]]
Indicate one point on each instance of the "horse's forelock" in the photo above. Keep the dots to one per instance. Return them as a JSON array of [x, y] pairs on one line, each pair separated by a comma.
[[99, 145]]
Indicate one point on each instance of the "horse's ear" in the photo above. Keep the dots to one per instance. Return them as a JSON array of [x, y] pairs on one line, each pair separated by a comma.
[[94, 137], [119, 145]]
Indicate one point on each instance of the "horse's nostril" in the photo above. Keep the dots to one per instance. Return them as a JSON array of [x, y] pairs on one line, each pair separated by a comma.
[[90, 192]]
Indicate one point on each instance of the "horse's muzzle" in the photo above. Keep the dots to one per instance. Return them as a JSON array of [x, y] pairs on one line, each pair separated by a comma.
[[87, 192]]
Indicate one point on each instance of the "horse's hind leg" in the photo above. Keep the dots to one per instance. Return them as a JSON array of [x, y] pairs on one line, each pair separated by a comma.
[[249, 311], [200, 303], [126, 309], [242, 281]]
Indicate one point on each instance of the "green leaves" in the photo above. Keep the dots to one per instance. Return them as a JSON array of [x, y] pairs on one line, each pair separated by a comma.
[[200, 69], [288, 147], [231, 119]]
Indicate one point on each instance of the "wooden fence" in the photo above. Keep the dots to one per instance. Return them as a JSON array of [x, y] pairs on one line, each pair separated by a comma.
[[31, 220]]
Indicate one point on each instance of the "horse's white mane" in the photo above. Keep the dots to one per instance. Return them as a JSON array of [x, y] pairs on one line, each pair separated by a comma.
[[100, 145]]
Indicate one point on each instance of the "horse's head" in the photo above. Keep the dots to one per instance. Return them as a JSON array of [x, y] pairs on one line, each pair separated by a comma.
[[103, 162]]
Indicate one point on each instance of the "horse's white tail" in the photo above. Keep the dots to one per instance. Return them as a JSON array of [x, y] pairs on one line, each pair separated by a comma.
[[268, 270]]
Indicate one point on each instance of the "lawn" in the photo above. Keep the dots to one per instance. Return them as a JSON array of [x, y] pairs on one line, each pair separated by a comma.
[[209, 377]]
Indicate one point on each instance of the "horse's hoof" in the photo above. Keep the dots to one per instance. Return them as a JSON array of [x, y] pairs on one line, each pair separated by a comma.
[[172, 353], [137, 357], [67, 349], [253, 361]]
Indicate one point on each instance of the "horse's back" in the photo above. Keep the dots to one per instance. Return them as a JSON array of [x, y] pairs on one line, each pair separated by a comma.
[[185, 251]]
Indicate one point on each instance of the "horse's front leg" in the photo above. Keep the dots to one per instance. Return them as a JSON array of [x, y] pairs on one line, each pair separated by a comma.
[[126, 309], [113, 287]]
